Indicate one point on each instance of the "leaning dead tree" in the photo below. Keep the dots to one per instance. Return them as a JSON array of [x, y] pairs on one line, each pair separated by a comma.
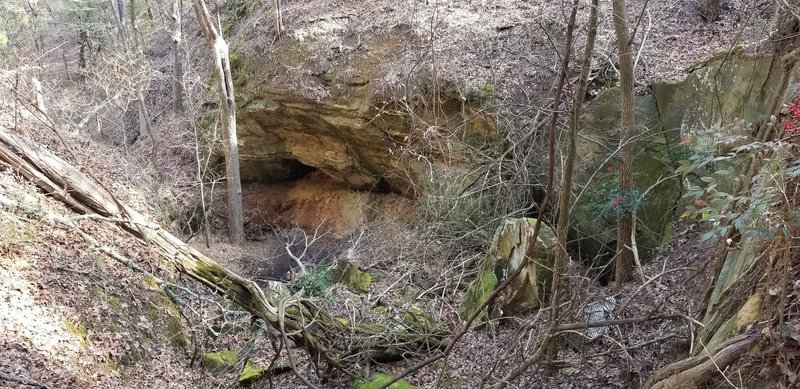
[[337, 342], [227, 113]]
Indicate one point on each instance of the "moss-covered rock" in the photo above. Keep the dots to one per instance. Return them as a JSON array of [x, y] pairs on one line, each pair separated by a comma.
[[352, 277], [220, 361], [701, 108], [478, 291], [418, 318], [512, 243], [731, 86], [379, 379], [593, 227], [251, 372]]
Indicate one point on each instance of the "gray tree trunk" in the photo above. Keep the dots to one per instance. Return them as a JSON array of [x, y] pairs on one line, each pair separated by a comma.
[[227, 107], [276, 6], [119, 14], [177, 52]]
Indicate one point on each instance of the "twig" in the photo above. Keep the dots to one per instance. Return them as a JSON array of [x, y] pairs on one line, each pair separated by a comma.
[[281, 315], [614, 322]]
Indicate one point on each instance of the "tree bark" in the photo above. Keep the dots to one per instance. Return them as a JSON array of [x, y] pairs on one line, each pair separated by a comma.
[[177, 52], [119, 14], [709, 10], [141, 108], [565, 197], [228, 118], [276, 6], [623, 264], [697, 371], [83, 38], [145, 129]]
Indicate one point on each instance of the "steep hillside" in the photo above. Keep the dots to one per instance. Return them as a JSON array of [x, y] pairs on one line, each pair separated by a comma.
[[394, 160]]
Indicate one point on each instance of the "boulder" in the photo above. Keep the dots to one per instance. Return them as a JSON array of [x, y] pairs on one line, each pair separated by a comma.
[[678, 119], [252, 373], [512, 242], [352, 277], [219, 362], [593, 227]]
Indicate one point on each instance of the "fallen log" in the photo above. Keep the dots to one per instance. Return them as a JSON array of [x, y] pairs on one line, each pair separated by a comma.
[[336, 341]]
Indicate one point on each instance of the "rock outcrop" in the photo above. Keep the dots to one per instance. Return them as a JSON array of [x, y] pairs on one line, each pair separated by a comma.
[[698, 111], [334, 119]]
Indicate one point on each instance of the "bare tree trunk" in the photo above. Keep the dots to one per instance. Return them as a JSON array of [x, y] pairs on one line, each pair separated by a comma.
[[145, 129], [228, 118], [565, 198], [66, 64], [141, 107], [177, 52], [276, 6], [119, 14], [37, 89], [623, 265], [83, 38], [138, 40], [709, 10]]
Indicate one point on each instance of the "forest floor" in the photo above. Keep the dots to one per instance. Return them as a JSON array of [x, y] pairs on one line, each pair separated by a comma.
[[71, 317], [621, 356]]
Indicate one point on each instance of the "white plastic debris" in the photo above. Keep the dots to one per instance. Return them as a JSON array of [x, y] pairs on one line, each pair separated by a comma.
[[595, 312]]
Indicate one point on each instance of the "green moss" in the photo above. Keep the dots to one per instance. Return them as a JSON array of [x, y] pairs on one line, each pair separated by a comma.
[[379, 379], [477, 292], [78, 329], [219, 362], [98, 291], [176, 334], [479, 95], [150, 283], [114, 301], [417, 317], [112, 328], [748, 313], [343, 321], [239, 68], [111, 366], [354, 278], [380, 310], [15, 233], [251, 373]]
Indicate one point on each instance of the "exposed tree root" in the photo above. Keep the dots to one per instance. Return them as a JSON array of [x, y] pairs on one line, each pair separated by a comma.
[[694, 372]]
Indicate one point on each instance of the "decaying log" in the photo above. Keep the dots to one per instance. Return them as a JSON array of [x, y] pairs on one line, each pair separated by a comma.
[[336, 341]]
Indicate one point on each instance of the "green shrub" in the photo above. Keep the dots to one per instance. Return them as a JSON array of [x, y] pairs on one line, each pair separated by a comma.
[[317, 282]]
